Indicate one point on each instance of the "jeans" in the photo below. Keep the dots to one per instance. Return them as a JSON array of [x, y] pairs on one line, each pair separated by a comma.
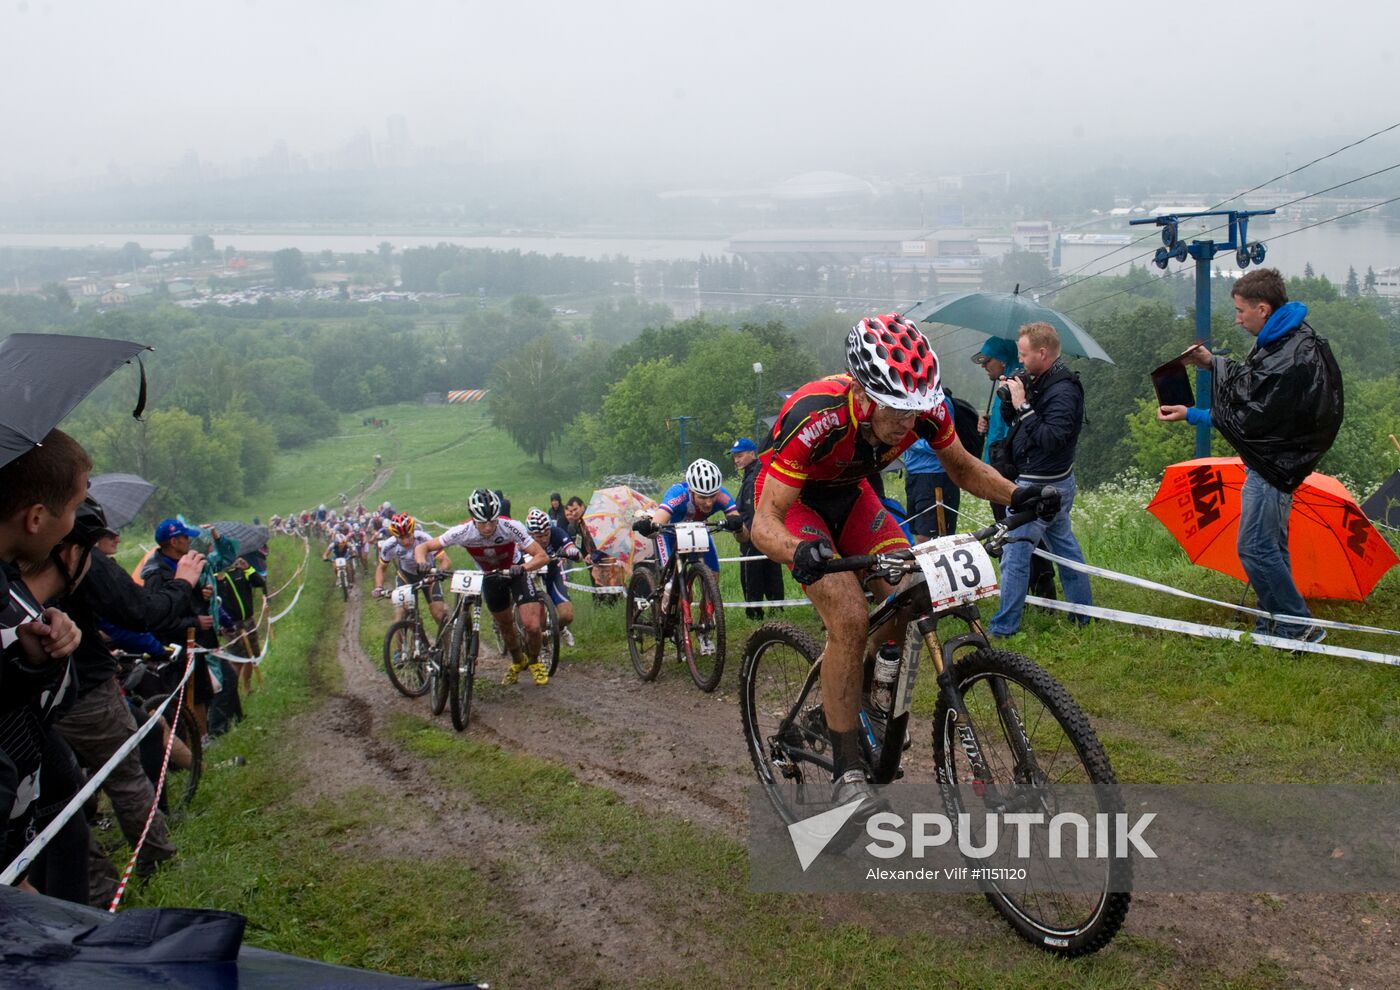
[[1263, 550], [921, 492], [1016, 562]]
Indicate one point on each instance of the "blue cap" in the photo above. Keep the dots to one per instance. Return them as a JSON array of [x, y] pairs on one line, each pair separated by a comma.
[[741, 445], [168, 529], [997, 349]]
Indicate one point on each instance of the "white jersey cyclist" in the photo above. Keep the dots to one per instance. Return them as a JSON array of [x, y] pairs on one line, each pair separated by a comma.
[[497, 552], [391, 551]]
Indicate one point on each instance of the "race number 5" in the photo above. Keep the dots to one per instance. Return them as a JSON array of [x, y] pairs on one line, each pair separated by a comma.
[[957, 569]]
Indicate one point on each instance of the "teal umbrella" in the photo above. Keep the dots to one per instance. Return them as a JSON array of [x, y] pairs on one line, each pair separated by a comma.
[[1002, 314]]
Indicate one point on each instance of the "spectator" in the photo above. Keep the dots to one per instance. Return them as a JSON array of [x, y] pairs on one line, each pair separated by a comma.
[[100, 721], [235, 587], [40, 492], [762, 580], [931, 498], [1046, 410], [556, 511], [1280, 409], [172, 543], [998, 358]]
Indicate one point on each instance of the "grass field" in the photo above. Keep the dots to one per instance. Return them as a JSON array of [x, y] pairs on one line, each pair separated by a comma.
[[1168, 708]]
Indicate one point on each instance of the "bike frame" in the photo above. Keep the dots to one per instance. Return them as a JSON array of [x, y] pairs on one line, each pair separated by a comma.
[[884, 758], [677, 566]]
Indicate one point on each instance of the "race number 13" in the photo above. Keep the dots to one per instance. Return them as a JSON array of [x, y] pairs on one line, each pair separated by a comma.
[[957, 569]]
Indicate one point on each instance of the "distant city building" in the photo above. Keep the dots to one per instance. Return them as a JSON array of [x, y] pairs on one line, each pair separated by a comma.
[[1034, 236], [1078, 250], [1388, 283]]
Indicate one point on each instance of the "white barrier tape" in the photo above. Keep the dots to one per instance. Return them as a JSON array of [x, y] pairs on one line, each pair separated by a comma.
[[283, 614], [785, 603], [1209, 632], [1168, 589], [606, 589], [306, 555], [26, 857]]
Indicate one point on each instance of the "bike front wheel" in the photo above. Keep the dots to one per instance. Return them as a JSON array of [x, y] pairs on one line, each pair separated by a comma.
[[704, 654], [461, 671], [643, 639], [780, 702], [406, 658], [1038, 751]]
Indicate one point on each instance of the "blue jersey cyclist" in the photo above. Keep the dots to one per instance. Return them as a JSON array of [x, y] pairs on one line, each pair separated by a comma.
[[559, 546], [695, 499]]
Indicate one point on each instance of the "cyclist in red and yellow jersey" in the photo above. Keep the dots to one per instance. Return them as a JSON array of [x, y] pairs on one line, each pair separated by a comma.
[[814, 496]]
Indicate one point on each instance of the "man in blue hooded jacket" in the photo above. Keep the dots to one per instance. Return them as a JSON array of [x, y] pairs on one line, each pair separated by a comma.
[[1280, 409]]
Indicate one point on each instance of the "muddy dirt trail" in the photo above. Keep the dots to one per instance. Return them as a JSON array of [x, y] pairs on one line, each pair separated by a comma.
[[665, 747]]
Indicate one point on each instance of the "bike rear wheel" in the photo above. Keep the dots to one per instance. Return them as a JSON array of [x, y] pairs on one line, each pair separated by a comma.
[[1040, 752], [549, 636], [785, 728], [643, 641], [705, 653], [438, 683], [406, 657]]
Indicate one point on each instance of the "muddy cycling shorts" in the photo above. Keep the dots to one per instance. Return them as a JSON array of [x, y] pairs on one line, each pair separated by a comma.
[[500, 589], [849, 517]]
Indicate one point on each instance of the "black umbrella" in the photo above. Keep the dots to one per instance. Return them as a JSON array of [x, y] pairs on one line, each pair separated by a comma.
[[245, 536], [121, 495], [44, 375]]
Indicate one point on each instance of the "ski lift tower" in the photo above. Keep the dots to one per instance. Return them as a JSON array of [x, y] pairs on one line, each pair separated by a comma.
[[1175, 249]]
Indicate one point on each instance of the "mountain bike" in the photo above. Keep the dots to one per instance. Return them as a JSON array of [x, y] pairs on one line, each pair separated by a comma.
[[344, 576], [1006, 736], [687, 612], [145, 681], [407, 649], [549, 632]]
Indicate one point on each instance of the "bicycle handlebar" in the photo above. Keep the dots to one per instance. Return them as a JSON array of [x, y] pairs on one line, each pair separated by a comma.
[[995, 534]]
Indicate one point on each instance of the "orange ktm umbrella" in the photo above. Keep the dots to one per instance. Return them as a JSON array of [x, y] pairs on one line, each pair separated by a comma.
[[1334, 549]]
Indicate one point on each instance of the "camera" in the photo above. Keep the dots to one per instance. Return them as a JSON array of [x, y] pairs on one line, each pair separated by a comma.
[[1004, 387]]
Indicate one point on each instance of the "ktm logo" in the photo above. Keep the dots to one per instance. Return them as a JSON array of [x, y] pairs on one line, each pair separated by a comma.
[[814, 430]]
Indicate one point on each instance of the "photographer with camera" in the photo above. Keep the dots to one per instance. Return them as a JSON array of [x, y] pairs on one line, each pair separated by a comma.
[[1044, 405]]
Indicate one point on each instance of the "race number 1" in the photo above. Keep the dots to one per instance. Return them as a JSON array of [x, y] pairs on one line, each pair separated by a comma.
[[957, 569]]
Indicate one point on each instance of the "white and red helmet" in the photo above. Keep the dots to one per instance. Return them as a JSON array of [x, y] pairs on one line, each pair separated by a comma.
[[892, 361]]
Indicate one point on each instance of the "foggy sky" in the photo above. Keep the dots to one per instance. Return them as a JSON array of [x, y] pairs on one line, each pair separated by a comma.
[[690, 91]]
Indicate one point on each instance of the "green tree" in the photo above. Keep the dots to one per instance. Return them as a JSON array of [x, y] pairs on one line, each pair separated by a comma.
[[1353, 286], [201, 246], [289, 269], [133, 257], [526, 399]]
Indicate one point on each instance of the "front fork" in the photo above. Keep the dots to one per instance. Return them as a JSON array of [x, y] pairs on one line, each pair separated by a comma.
[[981, 780]]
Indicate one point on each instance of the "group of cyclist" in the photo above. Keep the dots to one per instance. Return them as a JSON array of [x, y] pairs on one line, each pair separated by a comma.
[[521, 561], [813, 500]]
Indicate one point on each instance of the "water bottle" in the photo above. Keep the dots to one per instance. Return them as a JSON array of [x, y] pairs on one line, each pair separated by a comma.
[[882, 690]]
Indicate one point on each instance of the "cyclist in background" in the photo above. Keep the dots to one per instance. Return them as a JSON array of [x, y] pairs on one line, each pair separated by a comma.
[[814, 497], [557, 544], [695, 499], [397, 549], [510, 556]]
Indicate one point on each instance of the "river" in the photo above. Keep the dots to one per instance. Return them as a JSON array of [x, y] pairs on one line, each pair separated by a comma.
[[1330, 248]]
